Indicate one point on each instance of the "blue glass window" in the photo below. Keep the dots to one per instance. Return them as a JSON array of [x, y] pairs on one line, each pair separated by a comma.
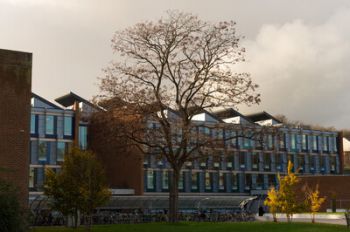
[[293, 142], [42, 150], [150, 179], [165, 179], [82, 137], [33, 124], [61, 149], [304, 142], [68, 126], [49, 129]]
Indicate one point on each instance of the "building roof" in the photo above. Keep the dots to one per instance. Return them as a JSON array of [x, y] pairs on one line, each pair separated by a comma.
[[230, 113], [47, 102], [69, 99], [261, 116]]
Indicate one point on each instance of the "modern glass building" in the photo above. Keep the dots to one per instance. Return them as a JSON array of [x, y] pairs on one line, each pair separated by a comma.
[[53, 131], [242, 165]]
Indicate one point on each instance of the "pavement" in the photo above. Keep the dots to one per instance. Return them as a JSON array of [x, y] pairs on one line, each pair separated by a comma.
[[337, 219]]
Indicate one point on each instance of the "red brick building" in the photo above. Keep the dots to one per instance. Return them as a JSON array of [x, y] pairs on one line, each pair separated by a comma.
[[15, 94]]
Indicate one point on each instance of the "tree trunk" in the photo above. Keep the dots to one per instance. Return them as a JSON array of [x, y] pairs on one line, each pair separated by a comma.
[[76, 215], [174, 196], [274, 217], [313, 218]]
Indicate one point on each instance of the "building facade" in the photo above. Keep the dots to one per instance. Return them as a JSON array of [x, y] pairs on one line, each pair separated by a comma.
[[244, 165], [240, 166], [53, 131]]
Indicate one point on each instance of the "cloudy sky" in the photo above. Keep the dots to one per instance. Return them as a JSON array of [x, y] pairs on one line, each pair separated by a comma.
[[297, 51]]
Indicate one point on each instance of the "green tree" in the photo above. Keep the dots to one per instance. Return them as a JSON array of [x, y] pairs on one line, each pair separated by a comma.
[[79, 187], [286, 193], [12, 215], [272, 201]]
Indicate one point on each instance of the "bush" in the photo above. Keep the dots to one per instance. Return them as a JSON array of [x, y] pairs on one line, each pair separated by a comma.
[[12, 215]]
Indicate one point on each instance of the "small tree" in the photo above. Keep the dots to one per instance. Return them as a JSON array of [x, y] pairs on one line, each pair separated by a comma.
[[314, 201], [272, 201], [79, 187], [286, 192]]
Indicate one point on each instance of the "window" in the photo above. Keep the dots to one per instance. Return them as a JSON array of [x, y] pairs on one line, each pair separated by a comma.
[[301, 163], [203, 162], [49, 129], [146, 160], [270, 142], [181, 181], [332, 164], [315, 143], [248, 181], [293, 142], [247, 143], [208, 181], [322, 163], [150, 179], [335, 148], [259, 182], [242, 160], [234, 181], [271, 180], [42, 150], [68, 126], [216, 162], [267, 161], [33, 124], [61, 149], [194, 181], [230, 161], [304, 142], [325, 143], [312, 163], [165, 179], [233, 139], [32, 177], [278, 162], [255, 161], [221, 181], [282, 142], [82, 137]]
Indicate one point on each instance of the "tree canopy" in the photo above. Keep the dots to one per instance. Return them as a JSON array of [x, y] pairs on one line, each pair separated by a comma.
[[168, 72], [79, 187]]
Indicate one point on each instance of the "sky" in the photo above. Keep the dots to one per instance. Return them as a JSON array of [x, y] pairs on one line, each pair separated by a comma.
[[297, 51]]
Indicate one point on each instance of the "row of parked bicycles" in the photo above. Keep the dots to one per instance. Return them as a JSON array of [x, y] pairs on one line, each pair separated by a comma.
[[49, 218]]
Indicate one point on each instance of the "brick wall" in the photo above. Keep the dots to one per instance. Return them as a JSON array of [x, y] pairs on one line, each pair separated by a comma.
[[15, 93], [123, 163], [337, 187]]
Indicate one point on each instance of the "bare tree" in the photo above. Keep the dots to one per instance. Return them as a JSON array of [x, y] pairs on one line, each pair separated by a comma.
[[172, 70]]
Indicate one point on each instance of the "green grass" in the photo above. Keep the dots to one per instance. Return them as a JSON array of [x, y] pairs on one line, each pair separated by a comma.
[[208, 227]]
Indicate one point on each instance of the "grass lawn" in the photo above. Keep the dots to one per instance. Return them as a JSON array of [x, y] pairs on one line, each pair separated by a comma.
[[209, 227]]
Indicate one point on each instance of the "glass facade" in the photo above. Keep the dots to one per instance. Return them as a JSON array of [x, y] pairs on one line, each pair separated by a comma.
[[68, 126], [33, 124], [61, 150], [165, 179], [83, 137], [42, 151], [49, 126]]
